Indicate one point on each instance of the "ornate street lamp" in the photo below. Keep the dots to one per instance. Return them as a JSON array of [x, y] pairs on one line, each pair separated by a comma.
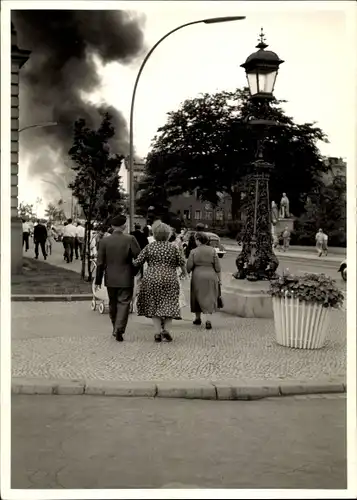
[[257, 260]]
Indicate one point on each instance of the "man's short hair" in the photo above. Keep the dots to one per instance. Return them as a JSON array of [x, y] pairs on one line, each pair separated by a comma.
[[69, 221], [161, 231], [200, 227], [118, 221]]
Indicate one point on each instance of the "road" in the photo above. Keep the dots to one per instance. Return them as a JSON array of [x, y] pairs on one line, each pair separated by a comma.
[[104, 442], [295, 265]]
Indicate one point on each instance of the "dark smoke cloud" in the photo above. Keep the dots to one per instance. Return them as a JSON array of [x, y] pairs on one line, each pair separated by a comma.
[[61, 67]]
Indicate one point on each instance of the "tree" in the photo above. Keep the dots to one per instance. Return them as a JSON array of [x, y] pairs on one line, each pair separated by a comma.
[[325, 208], [54, 212], [96, 184], [26, 210], [207, 145]]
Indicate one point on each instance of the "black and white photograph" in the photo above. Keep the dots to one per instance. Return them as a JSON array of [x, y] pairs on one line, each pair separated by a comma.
[[174, 249]]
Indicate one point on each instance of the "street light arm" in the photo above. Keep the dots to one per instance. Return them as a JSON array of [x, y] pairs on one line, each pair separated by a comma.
[[131, 129], [38, 125]]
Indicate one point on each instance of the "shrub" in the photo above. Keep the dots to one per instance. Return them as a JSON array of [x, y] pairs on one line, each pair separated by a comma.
[[235, 228], [310, 287]]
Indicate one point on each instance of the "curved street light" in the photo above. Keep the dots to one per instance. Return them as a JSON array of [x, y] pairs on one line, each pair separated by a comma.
[[212, 20], [39, 125]]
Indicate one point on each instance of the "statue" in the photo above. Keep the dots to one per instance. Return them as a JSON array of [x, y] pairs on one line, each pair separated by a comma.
[[284, 207], [274, 213]]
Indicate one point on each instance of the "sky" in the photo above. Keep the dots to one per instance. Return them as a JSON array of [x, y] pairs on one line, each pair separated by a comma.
[[312, 39]]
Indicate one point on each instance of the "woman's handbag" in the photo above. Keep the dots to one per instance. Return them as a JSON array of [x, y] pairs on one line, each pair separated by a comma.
[[219, 298]]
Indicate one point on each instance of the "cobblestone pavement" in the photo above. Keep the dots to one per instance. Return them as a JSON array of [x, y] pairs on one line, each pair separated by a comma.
[[96, 442], [67, 340]]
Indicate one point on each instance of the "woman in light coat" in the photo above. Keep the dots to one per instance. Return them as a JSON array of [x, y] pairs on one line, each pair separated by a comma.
[[205, 281]]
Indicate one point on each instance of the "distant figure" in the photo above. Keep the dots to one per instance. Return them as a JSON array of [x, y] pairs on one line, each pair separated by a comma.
[[115, 262], [50, 239], [40, 237], [284, 207], [69, 234], [286, 239], [205, 281], [140, 236], [321, 242], [79, 241], [150, 236], [25, 234]]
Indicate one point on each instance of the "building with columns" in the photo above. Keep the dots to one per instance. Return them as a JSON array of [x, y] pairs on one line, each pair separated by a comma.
[[18, 59]]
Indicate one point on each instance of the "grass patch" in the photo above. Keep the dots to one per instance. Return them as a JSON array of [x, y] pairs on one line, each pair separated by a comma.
[[41, 278]]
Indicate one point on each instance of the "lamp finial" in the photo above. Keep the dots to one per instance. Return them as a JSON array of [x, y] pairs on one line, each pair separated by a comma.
[[261, 39]]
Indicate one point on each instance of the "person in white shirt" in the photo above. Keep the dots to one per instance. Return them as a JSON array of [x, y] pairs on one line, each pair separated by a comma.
[[69, 234], [79, 241], [320, 237], [25, 234]]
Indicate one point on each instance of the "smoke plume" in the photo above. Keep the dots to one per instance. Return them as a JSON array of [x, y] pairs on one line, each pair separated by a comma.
[[61, 68]]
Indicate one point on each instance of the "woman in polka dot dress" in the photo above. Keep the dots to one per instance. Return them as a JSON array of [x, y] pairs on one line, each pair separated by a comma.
[[160, 289]]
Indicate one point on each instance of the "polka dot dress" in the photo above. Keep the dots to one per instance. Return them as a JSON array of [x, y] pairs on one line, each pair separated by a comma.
[[160, 289]]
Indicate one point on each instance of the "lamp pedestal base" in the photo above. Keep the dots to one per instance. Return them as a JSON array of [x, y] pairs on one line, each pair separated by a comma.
[[247, 299]]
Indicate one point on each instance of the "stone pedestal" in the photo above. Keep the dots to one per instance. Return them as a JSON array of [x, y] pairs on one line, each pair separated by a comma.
[[282, 224], [247, 299]]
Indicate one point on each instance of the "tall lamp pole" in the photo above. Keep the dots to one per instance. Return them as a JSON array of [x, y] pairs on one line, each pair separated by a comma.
[[212, 20], [257, 260]]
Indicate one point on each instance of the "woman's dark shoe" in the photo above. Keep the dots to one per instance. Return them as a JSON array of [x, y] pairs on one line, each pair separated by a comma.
[[208, 325], [166, 337], [197, 322], [158, 337]]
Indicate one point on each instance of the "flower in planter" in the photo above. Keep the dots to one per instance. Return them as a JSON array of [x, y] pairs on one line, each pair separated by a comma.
[[309, 287]]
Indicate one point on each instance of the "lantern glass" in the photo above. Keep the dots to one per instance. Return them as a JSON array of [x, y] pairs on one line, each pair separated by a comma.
[[262, 81]]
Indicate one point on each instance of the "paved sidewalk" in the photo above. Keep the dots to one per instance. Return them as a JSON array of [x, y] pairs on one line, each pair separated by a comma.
[[69, 341]]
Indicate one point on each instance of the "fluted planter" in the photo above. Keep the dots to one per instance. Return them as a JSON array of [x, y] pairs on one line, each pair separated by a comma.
[[298, 324]]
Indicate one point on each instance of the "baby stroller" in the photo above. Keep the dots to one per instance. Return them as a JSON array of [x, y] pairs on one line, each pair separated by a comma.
[[100, 297]]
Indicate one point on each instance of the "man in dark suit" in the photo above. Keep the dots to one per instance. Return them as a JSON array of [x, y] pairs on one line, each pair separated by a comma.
[[115, 261], [39, 238]]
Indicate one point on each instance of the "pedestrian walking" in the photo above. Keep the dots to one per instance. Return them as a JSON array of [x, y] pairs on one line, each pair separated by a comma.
[[25, 234], [39, 238], [325, 244], [205, 280], [79, 241], [50, 239], [141, 238], [69, 234], [320, 239], [286, 239], [159, 292], [115, 262]]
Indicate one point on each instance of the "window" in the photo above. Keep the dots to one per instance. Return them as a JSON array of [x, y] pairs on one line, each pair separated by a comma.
[[208, 214], [219, 215], [187, 214], [229, 215], [198, 215]]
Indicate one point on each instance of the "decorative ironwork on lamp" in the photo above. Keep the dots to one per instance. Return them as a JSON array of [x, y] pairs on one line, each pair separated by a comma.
[[257, 260]]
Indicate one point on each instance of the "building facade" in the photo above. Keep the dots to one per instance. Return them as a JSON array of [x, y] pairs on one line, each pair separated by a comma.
[[18, 59]]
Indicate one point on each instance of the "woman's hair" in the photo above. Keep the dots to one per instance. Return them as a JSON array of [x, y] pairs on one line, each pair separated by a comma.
[[202, 238], [161, 231]]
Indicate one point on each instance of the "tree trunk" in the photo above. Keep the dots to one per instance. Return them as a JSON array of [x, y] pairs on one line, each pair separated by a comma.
[[235, 194], [83, 270]]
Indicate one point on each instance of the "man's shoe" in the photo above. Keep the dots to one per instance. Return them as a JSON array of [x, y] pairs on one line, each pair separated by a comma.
[[119, 336], [197, 322]]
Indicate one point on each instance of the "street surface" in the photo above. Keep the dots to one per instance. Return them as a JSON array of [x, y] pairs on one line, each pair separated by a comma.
[[103, 442], [68, 340], [296, 265]]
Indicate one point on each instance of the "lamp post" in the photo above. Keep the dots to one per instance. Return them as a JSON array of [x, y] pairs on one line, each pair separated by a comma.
[[212, 20], [257, 260]]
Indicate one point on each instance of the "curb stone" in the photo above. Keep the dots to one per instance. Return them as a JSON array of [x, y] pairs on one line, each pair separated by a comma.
[[51, 298], [186, 389]]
